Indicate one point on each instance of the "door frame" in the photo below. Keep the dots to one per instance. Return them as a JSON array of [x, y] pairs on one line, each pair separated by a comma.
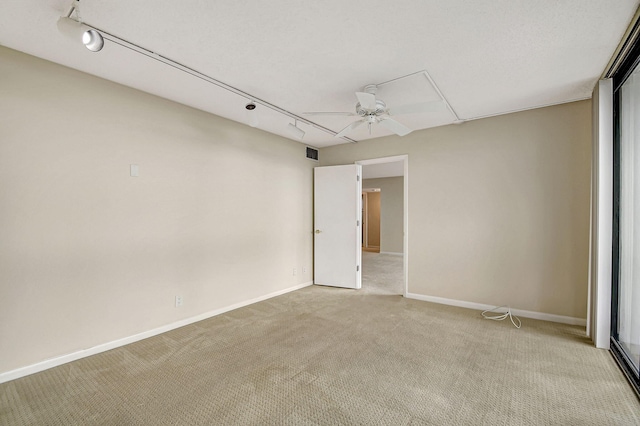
[[405, 220]]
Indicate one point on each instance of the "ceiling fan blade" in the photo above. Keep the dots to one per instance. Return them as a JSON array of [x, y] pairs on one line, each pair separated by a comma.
[[421, 107], [367, 100], [330, 113], [397, 128], [349, 128]]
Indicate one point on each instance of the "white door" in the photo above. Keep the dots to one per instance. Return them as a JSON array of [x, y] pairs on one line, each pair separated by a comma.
[[337, 235]]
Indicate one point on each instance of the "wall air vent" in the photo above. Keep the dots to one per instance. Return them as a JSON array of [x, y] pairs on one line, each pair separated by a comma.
[[312, 153]]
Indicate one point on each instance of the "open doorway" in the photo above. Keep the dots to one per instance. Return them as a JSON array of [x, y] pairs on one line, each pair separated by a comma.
[[384, 254]]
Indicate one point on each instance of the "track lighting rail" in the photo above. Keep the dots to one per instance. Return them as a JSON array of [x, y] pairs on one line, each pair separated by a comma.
[[195, 73]]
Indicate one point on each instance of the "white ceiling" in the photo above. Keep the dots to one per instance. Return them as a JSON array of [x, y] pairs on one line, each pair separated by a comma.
[[487, 57]]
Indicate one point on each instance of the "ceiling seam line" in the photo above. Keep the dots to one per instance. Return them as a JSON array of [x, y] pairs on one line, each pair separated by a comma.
[[400, 78], [435, 86], [480, 117]]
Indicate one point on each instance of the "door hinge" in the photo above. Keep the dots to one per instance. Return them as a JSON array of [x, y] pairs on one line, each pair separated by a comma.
[[358, 268], [357, 223], [358, 178]]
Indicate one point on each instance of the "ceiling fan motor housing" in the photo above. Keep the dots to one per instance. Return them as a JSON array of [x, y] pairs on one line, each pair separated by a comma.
[[381, 108]]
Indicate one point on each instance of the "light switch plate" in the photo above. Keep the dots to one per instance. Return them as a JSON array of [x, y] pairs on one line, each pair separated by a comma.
[[134, 170]]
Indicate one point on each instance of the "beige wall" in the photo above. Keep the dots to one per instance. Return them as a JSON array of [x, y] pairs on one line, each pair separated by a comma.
[[391, 211], [89, 255], [498, 208]]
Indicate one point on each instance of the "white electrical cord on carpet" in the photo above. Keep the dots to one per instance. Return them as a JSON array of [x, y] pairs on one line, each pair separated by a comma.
[[501, 315]]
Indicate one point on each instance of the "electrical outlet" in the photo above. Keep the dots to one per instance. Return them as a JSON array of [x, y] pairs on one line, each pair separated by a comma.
[[178, 301], [295, 271], [304, 269]]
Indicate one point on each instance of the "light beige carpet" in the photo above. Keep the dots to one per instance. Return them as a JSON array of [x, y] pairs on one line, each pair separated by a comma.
[[382, 273], [331, 356]]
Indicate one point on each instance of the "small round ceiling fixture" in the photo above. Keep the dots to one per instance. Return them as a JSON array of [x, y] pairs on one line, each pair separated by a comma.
[[250, 106]]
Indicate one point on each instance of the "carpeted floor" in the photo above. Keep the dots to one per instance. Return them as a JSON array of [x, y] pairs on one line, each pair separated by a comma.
[[331, 356], [382, 273]]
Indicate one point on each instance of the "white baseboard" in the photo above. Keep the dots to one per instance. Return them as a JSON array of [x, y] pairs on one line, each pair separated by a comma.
[[392, 253], [482, 307], [54, 362]]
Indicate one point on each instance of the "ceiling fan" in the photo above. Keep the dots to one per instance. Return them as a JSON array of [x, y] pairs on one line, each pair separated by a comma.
[[375, 111]]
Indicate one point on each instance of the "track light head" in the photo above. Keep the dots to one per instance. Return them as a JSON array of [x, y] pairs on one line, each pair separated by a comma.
[[91, 38], [295, 131]]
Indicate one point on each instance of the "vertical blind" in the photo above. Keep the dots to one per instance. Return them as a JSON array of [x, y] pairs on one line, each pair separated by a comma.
[[629, 219]]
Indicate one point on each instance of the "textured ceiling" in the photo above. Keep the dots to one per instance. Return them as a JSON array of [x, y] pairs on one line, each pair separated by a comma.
[[486, 57]]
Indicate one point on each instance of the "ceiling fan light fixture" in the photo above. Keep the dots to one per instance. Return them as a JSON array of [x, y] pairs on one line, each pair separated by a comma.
[[374, 111]]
